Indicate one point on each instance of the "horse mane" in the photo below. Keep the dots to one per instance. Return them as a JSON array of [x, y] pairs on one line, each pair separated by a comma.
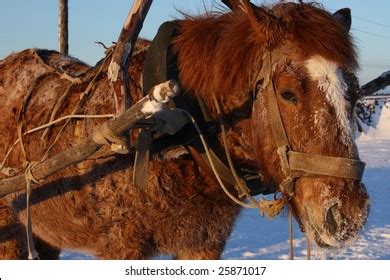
[[219, 53]]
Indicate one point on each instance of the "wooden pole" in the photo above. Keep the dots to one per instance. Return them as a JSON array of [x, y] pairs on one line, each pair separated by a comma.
[[147, 106], [379, 83], [63, 27], [117, 70]]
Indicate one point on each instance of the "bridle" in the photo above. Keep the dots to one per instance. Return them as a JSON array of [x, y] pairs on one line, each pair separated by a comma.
[[294, 164]]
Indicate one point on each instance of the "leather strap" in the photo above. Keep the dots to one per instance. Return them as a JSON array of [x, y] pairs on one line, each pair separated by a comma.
[[325, 165], [223, 171], [202, 163], [141, 163]]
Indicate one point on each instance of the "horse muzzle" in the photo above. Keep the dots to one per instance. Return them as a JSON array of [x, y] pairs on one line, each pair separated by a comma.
[[335, 213]]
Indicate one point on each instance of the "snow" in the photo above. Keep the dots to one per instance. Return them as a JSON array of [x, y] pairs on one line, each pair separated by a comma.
[[330, 80], [377, 127], [256, 237], [151, 107]]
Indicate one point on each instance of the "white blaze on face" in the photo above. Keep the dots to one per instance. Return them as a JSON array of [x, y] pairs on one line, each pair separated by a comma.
[[330, 80]]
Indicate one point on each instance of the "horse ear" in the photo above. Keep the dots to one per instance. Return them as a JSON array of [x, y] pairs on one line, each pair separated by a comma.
[[245, 5], [233, 5], [264, 22], [344, 17]]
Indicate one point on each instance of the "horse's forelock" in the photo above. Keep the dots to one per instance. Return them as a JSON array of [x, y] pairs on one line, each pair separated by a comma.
[[316, 32]]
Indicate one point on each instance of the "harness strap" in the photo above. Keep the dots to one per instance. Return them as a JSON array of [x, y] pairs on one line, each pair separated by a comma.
[[223, 171], [141, 162], [247, 185], [155, 72], [202, 162], [315, 165], [277, 126]]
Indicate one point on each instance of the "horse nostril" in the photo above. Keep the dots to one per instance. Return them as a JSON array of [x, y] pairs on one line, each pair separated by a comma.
[[330, 219]]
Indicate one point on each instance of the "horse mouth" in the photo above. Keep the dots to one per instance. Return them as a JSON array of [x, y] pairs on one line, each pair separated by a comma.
[[324, 241]]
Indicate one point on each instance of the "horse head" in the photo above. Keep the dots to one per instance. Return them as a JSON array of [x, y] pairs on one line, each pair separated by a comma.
[[307, 64], [300, 58]]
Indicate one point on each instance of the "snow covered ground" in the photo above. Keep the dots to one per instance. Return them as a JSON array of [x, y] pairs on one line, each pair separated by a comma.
[[256, 237]]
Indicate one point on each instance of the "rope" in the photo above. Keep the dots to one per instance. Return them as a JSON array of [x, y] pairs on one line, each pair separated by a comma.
[[84, 95], [104, 134], [51, 124], [270, 208], [308, 249], [29, 177], [291, 233], [291, 238], [264, 208], [56, 108], [213, 168], [239, 181], [23, 109], [20, 140]]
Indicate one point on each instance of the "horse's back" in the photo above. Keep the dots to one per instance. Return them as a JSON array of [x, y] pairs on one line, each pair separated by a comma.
[[29, 81]]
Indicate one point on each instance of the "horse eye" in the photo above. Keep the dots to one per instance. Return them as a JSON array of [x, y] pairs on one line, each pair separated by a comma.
[[289, 96]]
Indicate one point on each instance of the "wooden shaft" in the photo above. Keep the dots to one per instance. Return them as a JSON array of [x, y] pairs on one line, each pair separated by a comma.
[[87, 148], [72, 155], [377, 84], [117, 70]]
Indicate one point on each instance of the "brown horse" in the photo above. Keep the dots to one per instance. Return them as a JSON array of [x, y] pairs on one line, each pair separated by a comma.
[[94, 207]]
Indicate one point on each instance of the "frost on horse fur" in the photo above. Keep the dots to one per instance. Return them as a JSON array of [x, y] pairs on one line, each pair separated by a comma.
[[93, 207]]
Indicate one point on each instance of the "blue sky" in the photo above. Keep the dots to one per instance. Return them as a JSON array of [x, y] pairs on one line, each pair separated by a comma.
[[33, 23]]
